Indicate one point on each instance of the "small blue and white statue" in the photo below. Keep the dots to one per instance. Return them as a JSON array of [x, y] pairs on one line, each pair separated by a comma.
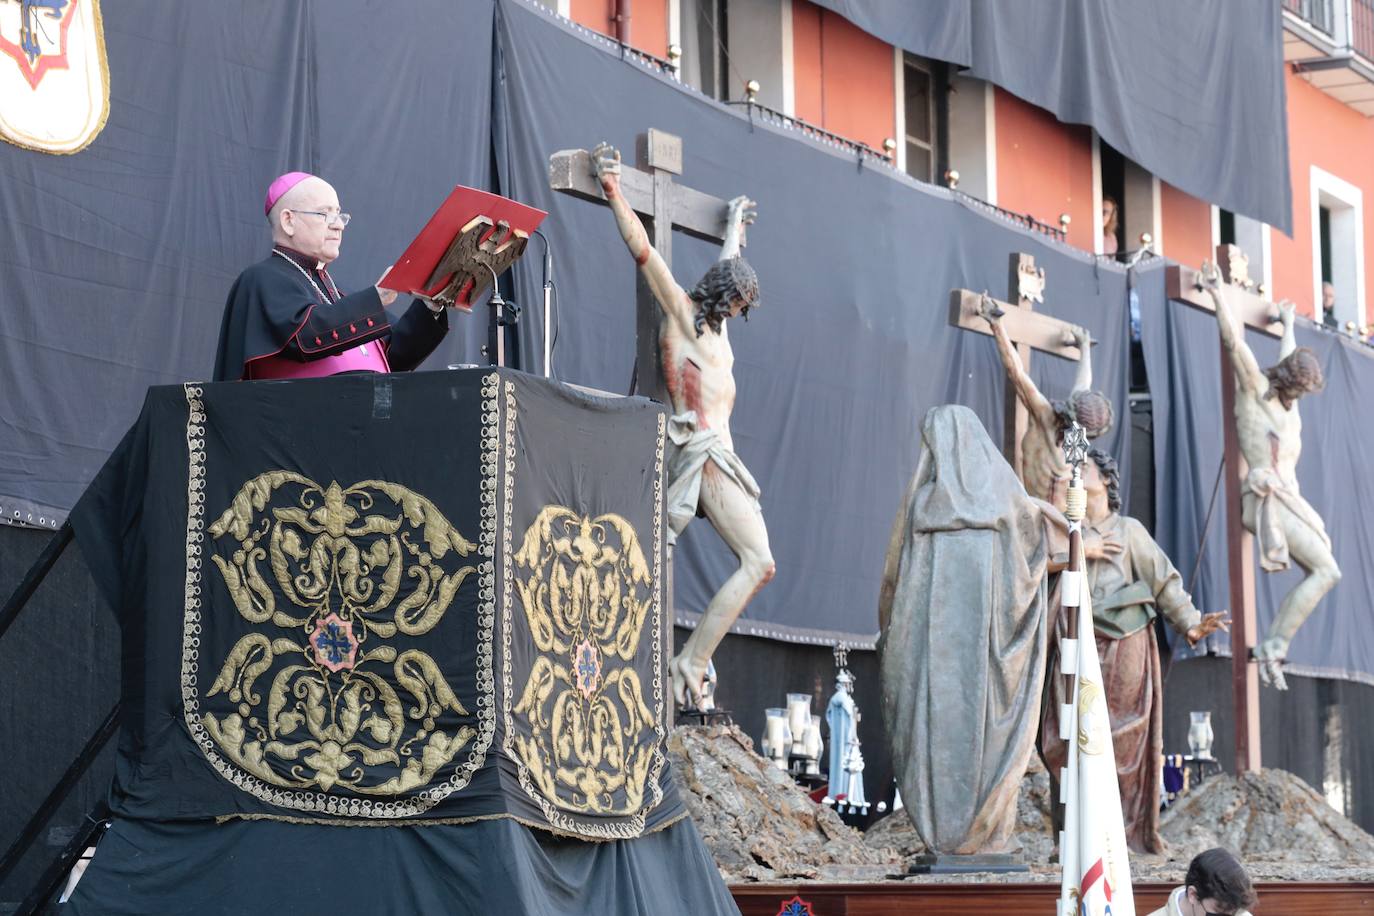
[[842, 716]]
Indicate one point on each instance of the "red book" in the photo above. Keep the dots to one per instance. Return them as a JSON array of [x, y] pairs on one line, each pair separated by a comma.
[[471, 237]]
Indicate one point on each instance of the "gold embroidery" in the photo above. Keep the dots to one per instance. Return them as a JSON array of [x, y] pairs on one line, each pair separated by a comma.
[[331, 718], [339, 556], [586, 592], [587, 742]]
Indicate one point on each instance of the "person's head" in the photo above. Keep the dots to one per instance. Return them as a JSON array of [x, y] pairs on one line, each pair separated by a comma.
[[1109, 216], [305, 216], [1297, 374], [728, 290], [1102, 479], [1328, 297], [1090, 409], [1217, 885]]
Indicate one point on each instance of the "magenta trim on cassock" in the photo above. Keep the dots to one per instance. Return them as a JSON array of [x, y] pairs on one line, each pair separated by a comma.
[[369, 357]]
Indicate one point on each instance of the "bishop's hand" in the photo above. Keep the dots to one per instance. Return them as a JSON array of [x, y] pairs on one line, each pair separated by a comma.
[[1209, 624], [387, 296], [606, 163]]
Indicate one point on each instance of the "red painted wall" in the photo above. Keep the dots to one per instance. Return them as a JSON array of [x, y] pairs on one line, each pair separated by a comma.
[[1044, 168], [648, 21], [594, 14], [842, 76], [649, 27], [1337, 139], [1186, 226]]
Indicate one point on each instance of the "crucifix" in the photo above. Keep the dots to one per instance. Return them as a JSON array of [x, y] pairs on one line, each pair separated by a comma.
[[1247, 300], [1026, 330], [663, 205], [684, 359]]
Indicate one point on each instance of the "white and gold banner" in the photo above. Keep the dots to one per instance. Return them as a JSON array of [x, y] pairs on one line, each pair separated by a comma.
[[54, 79]]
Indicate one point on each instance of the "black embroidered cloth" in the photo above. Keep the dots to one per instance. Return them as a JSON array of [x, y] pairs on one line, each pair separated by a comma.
[[384, 599]]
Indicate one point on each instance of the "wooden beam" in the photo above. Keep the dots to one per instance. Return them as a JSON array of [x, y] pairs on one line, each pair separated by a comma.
[[1257, 312], [698, 214], [1181, 283], [1240, 566], [571, 172], [1035, 329]]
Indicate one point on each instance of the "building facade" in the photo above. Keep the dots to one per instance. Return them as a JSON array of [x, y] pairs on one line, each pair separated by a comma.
[[813, 64]]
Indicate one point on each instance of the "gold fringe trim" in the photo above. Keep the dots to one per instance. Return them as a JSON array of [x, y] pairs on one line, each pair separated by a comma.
[[441, 822]]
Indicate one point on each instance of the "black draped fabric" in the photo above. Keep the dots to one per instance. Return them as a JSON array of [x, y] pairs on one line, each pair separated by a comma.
[[1182, 350], [1192, 92], [275, 308], [486, 868], [385, 599], [115, 262], [852, 344], [942, 29]]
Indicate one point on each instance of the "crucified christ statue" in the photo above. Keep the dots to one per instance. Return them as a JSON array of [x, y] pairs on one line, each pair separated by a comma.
[[1269, 431], [1044, 472], [704, 473]]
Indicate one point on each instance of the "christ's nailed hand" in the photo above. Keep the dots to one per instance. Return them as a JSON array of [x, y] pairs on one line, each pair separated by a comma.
[[605, 161]]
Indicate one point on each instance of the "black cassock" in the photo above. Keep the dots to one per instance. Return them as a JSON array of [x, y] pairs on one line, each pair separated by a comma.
[[284, 306]]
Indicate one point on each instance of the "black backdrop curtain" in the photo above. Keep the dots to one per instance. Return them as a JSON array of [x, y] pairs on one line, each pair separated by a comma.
[[1193, 92], [115, 271], [114, 263], [852, 344]]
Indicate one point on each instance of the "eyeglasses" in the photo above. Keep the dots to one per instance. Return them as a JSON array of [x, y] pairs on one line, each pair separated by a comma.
[[342, 218], [1206, 912]]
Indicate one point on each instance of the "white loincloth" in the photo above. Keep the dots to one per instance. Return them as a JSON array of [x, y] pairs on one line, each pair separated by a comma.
[[1270, 492], [692, 448]]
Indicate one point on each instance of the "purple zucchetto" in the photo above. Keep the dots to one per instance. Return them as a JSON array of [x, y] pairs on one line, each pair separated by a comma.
[[279, 187]]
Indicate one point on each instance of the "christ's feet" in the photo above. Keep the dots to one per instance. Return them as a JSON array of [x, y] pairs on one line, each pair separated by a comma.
[[1270, 656], [693, 683]]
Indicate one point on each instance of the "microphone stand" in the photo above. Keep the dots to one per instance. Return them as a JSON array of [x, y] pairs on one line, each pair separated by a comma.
[[548, 305], [503, 315]]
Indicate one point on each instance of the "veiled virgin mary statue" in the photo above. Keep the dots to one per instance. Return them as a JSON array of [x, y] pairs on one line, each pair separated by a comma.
[[962, 612]]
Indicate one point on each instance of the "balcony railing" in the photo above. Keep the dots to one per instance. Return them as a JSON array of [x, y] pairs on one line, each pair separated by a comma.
[[1320, 14], [1362, 27], [1329, 42]]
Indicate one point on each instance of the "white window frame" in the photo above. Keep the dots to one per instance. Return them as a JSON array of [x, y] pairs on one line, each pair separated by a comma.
[[928, 67], [899, 106], [1098, 234], [1346, 203]]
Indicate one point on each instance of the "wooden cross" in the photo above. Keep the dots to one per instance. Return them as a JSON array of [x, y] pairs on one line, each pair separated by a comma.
[[1248, 303], [663, 206], [1246, 297], [1028, 329]]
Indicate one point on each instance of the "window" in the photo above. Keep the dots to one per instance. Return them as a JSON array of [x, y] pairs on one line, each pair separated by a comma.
[[1324, 241], [1134, 192], [923, 116], [918, 109], [1113, 186], [1337, 247], [1226, 229], [705, 61]]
